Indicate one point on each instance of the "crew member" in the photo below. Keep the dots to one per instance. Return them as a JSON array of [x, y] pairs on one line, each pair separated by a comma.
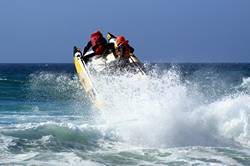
[[123, 49], [98, 44]]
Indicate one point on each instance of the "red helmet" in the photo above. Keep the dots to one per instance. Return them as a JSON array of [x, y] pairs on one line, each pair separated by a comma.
[[120, 39], [96, 33]]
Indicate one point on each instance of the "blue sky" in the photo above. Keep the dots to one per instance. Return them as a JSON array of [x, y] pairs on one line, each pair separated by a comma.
[[44, 31]]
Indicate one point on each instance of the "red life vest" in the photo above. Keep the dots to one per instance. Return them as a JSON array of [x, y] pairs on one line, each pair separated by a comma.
[[97, 43]]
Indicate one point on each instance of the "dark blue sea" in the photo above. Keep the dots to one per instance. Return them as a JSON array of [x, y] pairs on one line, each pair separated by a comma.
[[178, 114]]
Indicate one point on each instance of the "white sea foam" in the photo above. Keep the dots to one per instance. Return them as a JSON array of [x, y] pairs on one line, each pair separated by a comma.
[[246, 82], [162, 111], [141, 116], [229, 117]]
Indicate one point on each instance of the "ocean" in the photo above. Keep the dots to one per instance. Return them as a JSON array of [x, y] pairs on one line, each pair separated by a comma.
[[179, 114]]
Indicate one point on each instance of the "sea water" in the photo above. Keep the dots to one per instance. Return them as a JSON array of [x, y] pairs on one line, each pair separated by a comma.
[[178, 114]]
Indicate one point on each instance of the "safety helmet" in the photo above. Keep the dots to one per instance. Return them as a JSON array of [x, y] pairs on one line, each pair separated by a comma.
[[96, 33], [119, 40]]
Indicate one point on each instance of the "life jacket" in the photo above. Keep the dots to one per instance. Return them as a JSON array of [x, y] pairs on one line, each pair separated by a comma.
[[126, 51], [98, 43]]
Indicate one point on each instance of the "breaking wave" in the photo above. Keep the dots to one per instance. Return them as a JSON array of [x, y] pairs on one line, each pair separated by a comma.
[[151, 116], [158, 110], [162, 110]]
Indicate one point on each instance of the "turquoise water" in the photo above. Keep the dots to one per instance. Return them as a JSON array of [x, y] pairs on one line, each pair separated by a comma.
[[179, 114]]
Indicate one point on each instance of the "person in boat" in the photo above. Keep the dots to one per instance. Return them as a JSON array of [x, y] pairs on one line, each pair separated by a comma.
[[98, 44], [123, 49]]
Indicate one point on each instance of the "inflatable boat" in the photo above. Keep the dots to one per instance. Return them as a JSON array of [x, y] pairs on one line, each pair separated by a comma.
[[103, 63]]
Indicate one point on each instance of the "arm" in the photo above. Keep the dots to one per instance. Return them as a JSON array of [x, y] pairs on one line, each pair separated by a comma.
[[131, 49], [86, 48]]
